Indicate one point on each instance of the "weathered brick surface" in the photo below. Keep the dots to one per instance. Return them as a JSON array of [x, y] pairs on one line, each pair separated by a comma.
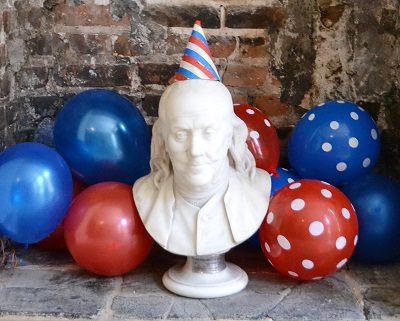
[[98, 76], [221, 47], [32, 78], [156, 73], [271, 18], [244, 76], [183, 16], [253, 47], [270, 105], [87, 15]]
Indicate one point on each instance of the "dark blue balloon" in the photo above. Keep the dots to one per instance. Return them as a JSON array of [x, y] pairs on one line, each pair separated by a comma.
[[282, 177], [35, 191], [103, 137], [376, 201], [334, 142]]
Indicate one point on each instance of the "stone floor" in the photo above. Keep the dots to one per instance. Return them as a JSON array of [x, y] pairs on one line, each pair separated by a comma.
[[49, 286]]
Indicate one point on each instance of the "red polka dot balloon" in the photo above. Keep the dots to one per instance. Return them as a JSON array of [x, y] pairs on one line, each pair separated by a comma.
[[310, 230], [263, 140]]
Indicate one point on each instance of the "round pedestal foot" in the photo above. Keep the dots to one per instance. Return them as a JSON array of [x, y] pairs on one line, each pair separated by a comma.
[[186, 281]]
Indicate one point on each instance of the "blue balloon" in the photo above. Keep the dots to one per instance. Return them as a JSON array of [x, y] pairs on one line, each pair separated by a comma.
[[103, 137], [376, 201], [35, 191], [282, 177], [334, 142]]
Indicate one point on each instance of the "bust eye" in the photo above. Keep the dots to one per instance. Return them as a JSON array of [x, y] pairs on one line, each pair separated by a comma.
[[180, 135], [209, 132]]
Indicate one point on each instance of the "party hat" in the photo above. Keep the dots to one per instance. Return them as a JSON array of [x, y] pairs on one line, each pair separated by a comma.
[[197, 62]]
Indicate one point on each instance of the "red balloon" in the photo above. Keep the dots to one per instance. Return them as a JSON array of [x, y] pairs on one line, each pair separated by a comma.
[[263, 141], [310, 230], [104, 232], [55, 241]]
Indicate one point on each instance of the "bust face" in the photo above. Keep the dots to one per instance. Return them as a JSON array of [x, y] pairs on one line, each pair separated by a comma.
[[196, 117]]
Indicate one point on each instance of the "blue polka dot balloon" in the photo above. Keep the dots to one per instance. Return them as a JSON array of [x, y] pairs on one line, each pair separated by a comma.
[[335, 142], [282, 177]]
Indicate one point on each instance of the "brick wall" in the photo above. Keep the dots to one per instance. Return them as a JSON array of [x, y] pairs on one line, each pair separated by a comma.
[[282, 56]]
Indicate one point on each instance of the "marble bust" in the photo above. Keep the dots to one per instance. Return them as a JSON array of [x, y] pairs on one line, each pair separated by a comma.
[[204, 194]]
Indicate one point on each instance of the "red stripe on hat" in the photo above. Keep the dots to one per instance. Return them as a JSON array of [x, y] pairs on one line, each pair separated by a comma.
[[180, 77], [200, 44], [195, 63]]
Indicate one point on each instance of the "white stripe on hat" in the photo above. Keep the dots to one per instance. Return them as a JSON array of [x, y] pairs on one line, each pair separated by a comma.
[[202, 53], [193, 69]]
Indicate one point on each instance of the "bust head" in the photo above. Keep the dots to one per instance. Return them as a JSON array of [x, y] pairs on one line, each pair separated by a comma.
[[198, 136]]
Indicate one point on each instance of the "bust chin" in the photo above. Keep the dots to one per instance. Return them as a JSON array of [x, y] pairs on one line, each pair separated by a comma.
[[204, 194]]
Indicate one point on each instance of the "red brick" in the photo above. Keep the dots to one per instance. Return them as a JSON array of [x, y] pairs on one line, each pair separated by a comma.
[[253, 47], [221, 47], [122, 46], [88, 44], [88, 15], [159, 74], [6, 21], [244, 76], [270, 105], [240, 99], [260, 17]]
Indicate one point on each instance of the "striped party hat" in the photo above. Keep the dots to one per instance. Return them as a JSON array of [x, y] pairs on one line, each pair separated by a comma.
[[197, 62]]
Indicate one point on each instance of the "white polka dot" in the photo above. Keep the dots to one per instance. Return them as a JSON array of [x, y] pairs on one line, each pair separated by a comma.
[[326, 147], [345, 213], [293, 273], [341, 263], [250, 111], [266, 122], [254, 134], [295, 185], [354, 115], [360, 108], [355, 240], [340, 101], [267, 247], [298, 204], [316, 228], [317, 278], [270, 217], [342, 166], [341, 242], [311, 117], [366, 162], [326, 193], [374, 134], [321, 104], [334, 125], [307, 264], [290, 180], [283, 242], [353, 142]]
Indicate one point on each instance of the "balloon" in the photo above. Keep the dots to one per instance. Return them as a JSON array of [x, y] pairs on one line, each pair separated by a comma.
[[335, 142], [55, 241], [103, 137], [281, 178], [376, 200], [310, 230], [104, 232], [35, 191], [262, 140]]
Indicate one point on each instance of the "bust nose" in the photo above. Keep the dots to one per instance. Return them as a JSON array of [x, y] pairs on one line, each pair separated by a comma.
[[196, 147]]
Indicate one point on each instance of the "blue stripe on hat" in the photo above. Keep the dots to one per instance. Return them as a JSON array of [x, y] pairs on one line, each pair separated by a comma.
[[198, 35], [203, 61], [188, 74]]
